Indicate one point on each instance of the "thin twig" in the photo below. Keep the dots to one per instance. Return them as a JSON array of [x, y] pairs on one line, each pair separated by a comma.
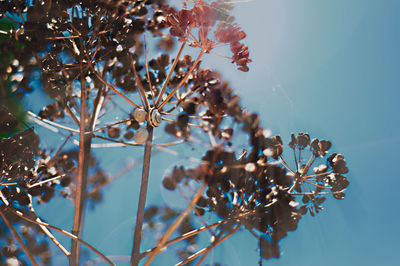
[[171, 70], [141, 90], [213, 245], [45, 181], [183, 80], [184, 236], [115, 90], [18, 238], [112, 124], [210, 247], [174, 225], [64, 233], [47, 232], [286, 165], [36, 117], [147, 70]]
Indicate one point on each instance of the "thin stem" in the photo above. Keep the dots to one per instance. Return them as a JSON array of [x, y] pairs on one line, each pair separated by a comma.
[[45, 181], [18, 238], [210, 247], [213, 245], [295, 159], [317, 185], [304, 188], [184, 236], [71, 112], [183, 98], [81, 180], [147, 70], [319, 193], [286, 165], [53, 158], [299, 158], [36, 117], [189, 124], [309, 163], [193, 116], [112, 124], [316, 175], [183, 80], [48, 233], [19, 214], [117, 141], [175, 225], [135, 255], [198, 215], [171, 70], [141, 90], [115, 90]]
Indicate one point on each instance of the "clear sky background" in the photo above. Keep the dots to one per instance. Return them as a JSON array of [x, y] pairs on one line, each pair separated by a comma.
[[329, 68]]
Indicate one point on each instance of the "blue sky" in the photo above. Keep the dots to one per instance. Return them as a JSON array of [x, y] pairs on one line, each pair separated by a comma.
[[329, 68]]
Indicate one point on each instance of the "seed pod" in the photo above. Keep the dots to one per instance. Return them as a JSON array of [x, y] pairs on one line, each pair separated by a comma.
[[154, 117], [140, 115], [141, 135]]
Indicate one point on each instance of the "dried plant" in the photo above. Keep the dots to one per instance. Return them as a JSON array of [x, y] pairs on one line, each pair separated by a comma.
[[91, 58]]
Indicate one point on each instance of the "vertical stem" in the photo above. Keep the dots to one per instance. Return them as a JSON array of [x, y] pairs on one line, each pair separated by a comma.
[[18, 238], [81, 181], [135, 255]]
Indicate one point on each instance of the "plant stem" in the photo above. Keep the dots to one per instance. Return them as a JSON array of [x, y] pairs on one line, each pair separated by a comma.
[[207, 249], [184, 236], [175, 224], [18, 238], [39, 222], [48, 233], [172, 69], [183, 80], [115, 90], [135, 255], [81, 181]]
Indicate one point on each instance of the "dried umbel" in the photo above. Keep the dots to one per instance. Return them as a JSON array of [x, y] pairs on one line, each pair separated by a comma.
[[214, 27], [258, 188]]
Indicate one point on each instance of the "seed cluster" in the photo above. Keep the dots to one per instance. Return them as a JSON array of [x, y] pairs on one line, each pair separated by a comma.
[[207, 18]]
